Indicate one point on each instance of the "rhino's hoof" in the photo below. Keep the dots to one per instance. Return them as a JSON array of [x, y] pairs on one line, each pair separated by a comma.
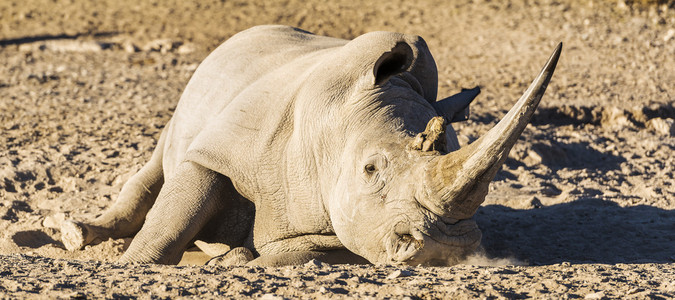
[[236, 257], [73, 235]]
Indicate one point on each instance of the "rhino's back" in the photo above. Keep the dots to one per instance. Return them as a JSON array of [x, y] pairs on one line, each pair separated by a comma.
[[234, 66]]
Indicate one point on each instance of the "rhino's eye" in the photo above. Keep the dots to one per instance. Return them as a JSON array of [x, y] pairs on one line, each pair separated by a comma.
[[373, 166]]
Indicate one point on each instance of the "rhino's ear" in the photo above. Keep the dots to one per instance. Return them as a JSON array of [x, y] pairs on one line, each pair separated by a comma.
[[456, 107], [393, 62]]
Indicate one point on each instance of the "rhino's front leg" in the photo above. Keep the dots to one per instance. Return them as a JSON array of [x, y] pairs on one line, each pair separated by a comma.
[[185, 204]]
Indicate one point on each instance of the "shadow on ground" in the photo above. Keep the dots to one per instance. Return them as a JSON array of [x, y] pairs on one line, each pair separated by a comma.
[[558, 155], [49, 37], [583, 231], [33, 239]]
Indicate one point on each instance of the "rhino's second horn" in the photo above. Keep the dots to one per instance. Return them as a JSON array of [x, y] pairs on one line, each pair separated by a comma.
[[458, 181]]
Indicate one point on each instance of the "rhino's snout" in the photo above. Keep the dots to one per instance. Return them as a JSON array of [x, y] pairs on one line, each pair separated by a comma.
[[434, 243], [403, 243]]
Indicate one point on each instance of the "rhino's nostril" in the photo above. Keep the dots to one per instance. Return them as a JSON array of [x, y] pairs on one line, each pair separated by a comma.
[[405, 238], [404, 242], [402, 228], [408, 240]]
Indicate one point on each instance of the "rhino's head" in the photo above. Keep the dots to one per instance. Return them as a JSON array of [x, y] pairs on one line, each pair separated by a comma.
[[395, 184]]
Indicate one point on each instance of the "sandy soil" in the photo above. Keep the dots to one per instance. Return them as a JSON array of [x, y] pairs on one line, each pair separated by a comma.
[[583, 208]]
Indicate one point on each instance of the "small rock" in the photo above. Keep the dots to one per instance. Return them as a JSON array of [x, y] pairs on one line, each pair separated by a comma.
[[129, 47], [77, 295], [271, 297], [161, 45], [526, 202], [54, 221], [323, 290], [191, 67], [535, 203], [598, 295], [187, 48], [614, 118], [534, 157], [314, 263], [398, 273], [669, 35], [662, 126], [621, 5]]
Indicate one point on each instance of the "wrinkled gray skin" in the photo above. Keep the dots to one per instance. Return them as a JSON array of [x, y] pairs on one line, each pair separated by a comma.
[[286, 147]]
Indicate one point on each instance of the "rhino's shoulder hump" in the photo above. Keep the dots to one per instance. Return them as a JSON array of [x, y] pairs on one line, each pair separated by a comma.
[[273, 39], [267, 30], [249, 55]]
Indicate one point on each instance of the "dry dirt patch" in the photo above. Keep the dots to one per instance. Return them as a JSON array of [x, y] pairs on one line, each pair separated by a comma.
[[586, 197]]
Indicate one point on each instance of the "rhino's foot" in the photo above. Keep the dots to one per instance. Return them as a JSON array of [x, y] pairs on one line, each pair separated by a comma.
[[236, 257], [75, 235]]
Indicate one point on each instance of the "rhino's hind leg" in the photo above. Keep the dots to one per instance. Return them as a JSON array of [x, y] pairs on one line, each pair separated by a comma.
[[125, 217]]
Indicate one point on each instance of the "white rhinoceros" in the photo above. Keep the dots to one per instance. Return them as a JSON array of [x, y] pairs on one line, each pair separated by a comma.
[[287, 147]]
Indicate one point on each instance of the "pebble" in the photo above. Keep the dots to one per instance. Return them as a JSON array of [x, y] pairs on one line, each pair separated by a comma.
[[187, 48], [54, 221], [598, 295], [314, 263], [161, 45], [662, 126], [129, 47], [398, 273], [77, 295], [669, 35], [613, 117]]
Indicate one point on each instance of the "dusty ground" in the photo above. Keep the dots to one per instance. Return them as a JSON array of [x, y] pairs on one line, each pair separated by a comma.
[[585, 202]]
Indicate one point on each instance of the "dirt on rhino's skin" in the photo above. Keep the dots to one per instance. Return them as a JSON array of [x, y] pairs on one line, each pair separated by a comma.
[[583, 207]]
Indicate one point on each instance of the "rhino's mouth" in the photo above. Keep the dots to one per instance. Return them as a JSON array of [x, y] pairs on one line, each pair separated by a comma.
[[439, 242]]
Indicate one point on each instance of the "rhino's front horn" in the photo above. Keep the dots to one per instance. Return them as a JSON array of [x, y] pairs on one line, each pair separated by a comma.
[[458, 181]]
